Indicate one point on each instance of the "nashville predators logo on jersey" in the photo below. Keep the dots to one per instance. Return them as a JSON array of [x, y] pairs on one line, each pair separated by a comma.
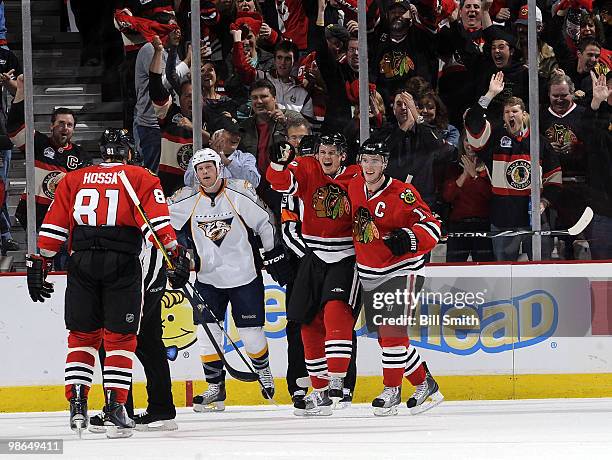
[[364, 228], [330, 201], [561, 134], [217, 230]]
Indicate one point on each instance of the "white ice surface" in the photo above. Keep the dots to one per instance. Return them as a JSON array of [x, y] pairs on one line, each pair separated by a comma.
[[543, 429]]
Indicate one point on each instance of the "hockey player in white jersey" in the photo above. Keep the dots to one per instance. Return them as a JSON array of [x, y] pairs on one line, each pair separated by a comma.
[[222, 217]]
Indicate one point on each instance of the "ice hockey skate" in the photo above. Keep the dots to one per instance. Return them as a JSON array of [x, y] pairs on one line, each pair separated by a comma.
[[96, 423], [346, 401], [212, 400], [387, 402], [78, 410], [298, 395], [426, 396], [267, 379], [316, 403], [336, 385], [118, 423], [152, 422]]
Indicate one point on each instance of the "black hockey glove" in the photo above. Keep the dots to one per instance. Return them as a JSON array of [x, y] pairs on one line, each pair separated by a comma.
[[179, 274], [282, 153], [37, 269], [402, 241], [278, 266]]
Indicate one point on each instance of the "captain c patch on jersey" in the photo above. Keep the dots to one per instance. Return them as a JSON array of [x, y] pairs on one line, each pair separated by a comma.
[[217, 229]]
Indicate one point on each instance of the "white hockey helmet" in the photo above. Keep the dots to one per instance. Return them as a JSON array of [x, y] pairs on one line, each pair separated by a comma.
[[206, 154]]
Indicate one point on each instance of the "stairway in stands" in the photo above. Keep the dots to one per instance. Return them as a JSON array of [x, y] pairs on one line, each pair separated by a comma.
[[59, 81]]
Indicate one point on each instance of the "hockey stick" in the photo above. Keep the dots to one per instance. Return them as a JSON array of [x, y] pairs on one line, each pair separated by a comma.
[[576, 229], [201, 306], [243, 376], [246, 376], [238, 375]]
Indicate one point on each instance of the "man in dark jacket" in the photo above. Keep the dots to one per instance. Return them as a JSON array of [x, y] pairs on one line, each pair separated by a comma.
[[260, 130], [414, 147]]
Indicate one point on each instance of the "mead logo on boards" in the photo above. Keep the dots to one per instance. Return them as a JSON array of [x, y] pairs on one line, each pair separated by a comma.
[[519, 322]]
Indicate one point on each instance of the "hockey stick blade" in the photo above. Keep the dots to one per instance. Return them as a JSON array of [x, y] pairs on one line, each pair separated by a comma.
[[582, 223], [306, 382], [202, 302], [243, 376]]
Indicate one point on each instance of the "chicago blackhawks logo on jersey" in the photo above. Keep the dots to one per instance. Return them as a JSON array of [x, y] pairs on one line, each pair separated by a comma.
[[330, 201], [407, 196], [364, 228], [183, 155], [396, 64], [216, 230], [518, 174], [561, 134]]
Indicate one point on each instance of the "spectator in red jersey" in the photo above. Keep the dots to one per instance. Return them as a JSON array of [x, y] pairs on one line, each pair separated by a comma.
[[138, 23], [287, 17], [245, 33], [468, 190]]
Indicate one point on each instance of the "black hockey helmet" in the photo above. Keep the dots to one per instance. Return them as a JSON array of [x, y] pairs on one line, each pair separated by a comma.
[[374, 146], [308, 145], [336, 139], [117, 145]]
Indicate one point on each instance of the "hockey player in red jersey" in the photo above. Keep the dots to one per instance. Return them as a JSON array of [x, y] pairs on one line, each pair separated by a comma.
[[325, 285], [393, 229], [94, 213]]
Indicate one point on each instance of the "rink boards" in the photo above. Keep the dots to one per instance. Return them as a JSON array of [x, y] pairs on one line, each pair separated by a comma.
[[545, 330]]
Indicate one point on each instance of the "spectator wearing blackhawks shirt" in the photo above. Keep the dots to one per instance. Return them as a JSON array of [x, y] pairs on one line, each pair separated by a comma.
[[54, 154]]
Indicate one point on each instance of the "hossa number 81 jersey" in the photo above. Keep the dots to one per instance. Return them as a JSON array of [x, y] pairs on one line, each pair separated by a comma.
[[395, 206], [96, 197]]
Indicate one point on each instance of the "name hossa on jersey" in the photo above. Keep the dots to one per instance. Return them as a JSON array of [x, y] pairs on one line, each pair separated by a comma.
[[326, 219], [396, 205], [95, 197]]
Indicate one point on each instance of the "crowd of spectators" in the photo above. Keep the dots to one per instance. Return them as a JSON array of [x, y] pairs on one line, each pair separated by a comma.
[[448, 93]]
